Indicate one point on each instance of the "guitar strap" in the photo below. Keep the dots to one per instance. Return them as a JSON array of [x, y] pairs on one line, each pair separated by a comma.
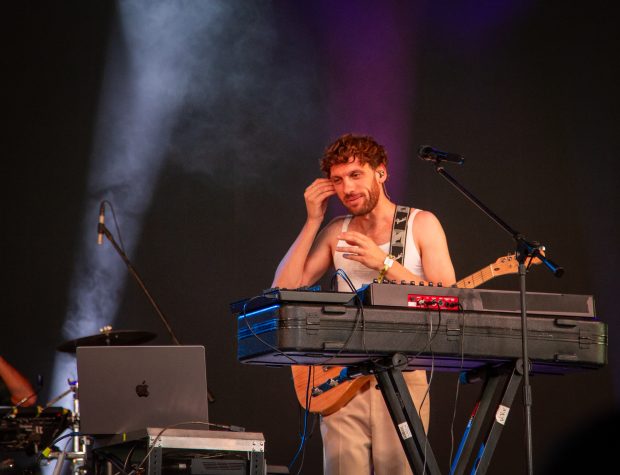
[[399, 233]]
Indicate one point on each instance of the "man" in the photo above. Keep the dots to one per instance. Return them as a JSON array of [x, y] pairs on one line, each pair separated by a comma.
[[360, 437], [15, 390], [14, 387]]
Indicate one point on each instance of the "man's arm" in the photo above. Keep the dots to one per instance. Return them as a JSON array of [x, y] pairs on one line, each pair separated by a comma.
[[308, 258], [17, 384], [433, 247]]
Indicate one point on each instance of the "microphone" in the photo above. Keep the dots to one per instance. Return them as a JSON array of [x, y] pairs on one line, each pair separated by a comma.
[[101, 225], [428, 153]]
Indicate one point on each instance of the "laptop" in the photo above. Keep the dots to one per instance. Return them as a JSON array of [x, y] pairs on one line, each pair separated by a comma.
[[129, 388]]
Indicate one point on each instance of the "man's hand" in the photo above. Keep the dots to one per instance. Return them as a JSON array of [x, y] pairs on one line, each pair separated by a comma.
[[307, 260], [316, 196], [361, 249]]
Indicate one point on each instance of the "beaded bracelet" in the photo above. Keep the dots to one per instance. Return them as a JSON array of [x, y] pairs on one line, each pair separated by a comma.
[[387, 264]]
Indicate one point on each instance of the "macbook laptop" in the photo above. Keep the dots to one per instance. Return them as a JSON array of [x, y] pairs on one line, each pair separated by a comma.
[[127, 388]]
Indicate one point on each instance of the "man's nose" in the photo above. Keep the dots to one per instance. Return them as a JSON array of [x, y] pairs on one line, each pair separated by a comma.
[[347, 185]]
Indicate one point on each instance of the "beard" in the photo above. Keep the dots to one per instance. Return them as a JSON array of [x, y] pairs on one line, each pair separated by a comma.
[[369, 203]]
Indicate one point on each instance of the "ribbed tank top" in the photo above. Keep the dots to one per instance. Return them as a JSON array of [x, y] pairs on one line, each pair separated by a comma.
[[360, 274]]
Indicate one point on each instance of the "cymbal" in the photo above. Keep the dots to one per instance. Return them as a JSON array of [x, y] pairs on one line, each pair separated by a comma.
[[108, 338]]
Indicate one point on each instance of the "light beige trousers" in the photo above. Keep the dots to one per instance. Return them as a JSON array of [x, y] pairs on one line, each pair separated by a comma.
[[360, 438]]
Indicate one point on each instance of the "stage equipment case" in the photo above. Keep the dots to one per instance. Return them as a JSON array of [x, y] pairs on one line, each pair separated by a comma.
[[330, 328], [182, 451]]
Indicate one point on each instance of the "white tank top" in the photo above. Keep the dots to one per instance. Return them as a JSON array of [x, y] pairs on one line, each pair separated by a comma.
[[360, 274]]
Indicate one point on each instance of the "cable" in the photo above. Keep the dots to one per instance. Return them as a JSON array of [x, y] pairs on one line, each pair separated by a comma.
[[458, 385], [158, 436], [303, 454], [114, 460], [430, 379], [47, 450], [118, 229], [244, 316], [430, 340], [359, 315], [61, 459], [128, 458], [70, 434], [305, 423], [346, 278]]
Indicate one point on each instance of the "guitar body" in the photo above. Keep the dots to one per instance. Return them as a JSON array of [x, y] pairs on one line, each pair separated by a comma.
[[332, 400]]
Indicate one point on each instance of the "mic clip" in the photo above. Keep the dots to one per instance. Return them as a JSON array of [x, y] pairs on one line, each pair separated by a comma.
[[431, 154]]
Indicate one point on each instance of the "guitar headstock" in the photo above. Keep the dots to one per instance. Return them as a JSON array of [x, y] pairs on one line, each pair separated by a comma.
[[508, 264]]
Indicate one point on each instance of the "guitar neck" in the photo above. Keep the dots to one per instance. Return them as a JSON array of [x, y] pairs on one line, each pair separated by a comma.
[[477, 278]]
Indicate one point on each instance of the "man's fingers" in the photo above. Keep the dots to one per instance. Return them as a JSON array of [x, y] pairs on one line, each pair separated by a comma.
[[353, 237], [320, 183], [350, 249], [353, 257], [324, 190]]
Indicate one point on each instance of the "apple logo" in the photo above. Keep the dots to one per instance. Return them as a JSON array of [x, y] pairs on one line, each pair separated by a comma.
[[142, 390]]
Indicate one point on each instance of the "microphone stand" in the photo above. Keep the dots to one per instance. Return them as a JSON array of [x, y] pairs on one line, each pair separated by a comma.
[[524, 250], [102, 228]]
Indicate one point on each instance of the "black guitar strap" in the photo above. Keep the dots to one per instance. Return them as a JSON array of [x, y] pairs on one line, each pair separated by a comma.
[[399, 233]]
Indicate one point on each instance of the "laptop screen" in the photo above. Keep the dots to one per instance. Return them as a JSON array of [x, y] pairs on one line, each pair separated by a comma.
[[127, 388]]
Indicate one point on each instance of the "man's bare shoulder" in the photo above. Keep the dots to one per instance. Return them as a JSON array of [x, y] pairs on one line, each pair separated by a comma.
[[426, 223], [331, 230], [335, 225], [424, 217]]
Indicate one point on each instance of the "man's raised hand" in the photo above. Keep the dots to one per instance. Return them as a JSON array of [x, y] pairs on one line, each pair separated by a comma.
[[316, 196]]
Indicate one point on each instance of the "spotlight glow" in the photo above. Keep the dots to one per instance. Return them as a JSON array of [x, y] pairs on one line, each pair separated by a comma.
[[144, 86]]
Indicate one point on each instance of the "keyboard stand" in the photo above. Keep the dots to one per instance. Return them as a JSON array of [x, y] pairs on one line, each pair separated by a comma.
[[404, 415], [506, 377]]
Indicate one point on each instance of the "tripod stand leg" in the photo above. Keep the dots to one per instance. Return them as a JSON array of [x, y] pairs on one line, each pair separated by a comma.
[[507, 378], [501, 415], [478, 417], [405, 418]]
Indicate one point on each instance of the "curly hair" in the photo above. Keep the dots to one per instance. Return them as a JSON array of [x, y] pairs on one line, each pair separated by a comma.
[[348, 146]]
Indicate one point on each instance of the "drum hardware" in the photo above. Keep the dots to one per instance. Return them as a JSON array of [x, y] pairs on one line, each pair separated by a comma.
[[77, 454], [108, 337]]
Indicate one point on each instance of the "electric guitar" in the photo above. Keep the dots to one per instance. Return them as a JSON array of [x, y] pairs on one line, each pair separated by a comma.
[[333, 399]]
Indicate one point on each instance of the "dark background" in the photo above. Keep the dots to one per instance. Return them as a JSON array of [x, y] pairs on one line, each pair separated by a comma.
[[526, 91]]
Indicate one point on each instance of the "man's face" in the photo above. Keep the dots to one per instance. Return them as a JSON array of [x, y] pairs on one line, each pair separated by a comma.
[[356, 186]]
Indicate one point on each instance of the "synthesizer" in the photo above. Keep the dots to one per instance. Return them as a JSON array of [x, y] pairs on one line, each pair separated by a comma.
[[478, 327]]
